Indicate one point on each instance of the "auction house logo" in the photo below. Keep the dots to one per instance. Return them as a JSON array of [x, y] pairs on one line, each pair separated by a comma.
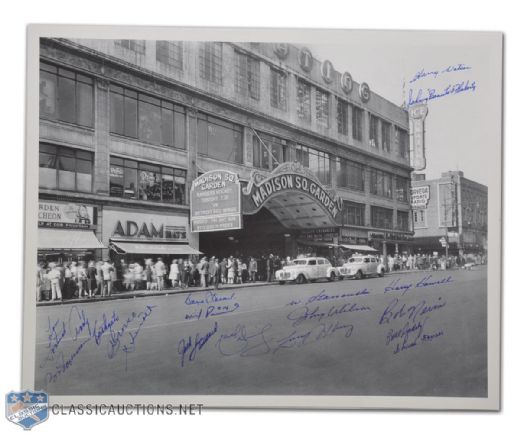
[[27, 408]]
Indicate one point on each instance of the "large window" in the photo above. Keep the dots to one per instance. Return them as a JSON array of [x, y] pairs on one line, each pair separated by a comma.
[[278, 89], [144, 181], [357, 123], [66, 95], [149, 119], [350, 174], [269, 152], [210, 61], [401, 189], [220, 139], [247, 75], [322, 108], [353, 213], [65, 168], [385, 136], [402, 221], [137, 46], [342, 117], [380, 183], [381, 217], [402, 141], [373, 131], [317, 161], [303, 104], [169, 53]]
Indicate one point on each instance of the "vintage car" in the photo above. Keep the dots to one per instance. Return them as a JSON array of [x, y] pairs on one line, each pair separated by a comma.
[[302, 270], [359, 266]]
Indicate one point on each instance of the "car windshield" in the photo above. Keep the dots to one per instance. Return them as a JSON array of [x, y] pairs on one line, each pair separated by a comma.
[[355, 260]]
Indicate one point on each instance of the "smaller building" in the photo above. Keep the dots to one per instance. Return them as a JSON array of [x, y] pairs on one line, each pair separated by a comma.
[[451, 208]]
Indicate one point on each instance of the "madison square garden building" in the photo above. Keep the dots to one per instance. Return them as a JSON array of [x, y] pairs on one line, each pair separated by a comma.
[[169, 148]]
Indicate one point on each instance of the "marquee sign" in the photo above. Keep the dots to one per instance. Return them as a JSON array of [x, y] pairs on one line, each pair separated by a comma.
[[420, 196], [216, 202], [288, 177]]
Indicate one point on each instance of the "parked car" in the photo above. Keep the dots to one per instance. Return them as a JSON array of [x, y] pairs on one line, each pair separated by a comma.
[[304, 270], [359, 266]]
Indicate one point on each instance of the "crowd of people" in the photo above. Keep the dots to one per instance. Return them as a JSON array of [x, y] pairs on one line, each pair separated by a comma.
[[87, 279]]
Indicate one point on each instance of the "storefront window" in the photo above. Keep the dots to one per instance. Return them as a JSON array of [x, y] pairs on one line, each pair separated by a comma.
[[317, 161], [401, 189], [269, 152], [150, 182], [402, 220], [350, 174], [381, 183], [146, 118], [381, 217], [66, 95], [220, 139], [353, 213], [65, 168]]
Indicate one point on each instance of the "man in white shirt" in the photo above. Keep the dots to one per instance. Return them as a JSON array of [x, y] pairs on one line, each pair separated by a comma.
[[106, 269], [54, 276], [160, 271]]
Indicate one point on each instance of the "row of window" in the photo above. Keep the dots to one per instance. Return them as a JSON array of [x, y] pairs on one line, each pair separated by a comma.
[[382, 218], [65, 168], [68, 96]]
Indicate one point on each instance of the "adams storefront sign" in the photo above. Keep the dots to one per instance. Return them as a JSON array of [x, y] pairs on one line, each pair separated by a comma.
[[62, 215], [136, 226], [216, 202]]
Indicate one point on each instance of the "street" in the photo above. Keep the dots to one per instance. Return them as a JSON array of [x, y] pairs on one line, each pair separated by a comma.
[[409, 334]]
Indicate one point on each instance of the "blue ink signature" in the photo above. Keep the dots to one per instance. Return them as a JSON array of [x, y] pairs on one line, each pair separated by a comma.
[[209, 298], [435, 72], [397, 286], [410, 335], [432, 93], [244, 342], [190, 346], [299, 339], [212, 310], [396, 310], [323, 296], [79, 329], [305, 313]]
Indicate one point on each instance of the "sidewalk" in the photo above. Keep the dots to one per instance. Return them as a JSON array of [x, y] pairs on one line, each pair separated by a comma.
[[116, 295]]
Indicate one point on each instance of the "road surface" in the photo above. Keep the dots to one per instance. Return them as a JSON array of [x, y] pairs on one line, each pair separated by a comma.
[[408, 334]]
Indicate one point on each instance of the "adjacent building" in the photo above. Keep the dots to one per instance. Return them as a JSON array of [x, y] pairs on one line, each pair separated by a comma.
[[452, 208], [127, 125]]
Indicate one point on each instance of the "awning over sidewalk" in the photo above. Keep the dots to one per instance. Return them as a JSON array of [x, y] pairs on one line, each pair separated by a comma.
[[155, 249], [316, 243], [65, 239], [360, 248]]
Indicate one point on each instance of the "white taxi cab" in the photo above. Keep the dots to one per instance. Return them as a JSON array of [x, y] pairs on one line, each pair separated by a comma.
[[302, 270], [359, 266]]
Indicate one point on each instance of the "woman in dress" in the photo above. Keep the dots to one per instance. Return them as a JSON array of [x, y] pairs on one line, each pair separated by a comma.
[[174, 273]]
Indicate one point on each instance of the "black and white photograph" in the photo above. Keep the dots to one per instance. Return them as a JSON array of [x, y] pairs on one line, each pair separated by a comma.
[[243, 215]]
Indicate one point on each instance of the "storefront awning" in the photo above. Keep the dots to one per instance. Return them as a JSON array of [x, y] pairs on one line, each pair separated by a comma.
[[360, 248], [155, 249], [316, 243], [65, 239]]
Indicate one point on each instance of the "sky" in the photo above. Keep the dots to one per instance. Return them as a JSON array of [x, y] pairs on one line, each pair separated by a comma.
[[458, 136]]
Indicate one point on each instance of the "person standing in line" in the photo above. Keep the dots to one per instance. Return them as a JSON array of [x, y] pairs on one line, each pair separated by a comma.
[[148, 273], [113, 277], [106, 270], [54, 276], [68, 289], [82, 279], [160, 271], [204, 269], [212, 266], [239, 271], [138, 275], [92, 279], [186, 273], [231, 270], [174, 273], [99, 277], [253, 269], [39, 281], [223, 271], [270, 267]]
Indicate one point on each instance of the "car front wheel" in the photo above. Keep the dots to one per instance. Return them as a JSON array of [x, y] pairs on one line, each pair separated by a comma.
[[301, 279], [331, 277], [359, 275]]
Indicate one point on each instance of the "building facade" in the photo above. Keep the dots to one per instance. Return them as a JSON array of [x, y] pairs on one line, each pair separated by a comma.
[[453, 208], [127, 125]]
